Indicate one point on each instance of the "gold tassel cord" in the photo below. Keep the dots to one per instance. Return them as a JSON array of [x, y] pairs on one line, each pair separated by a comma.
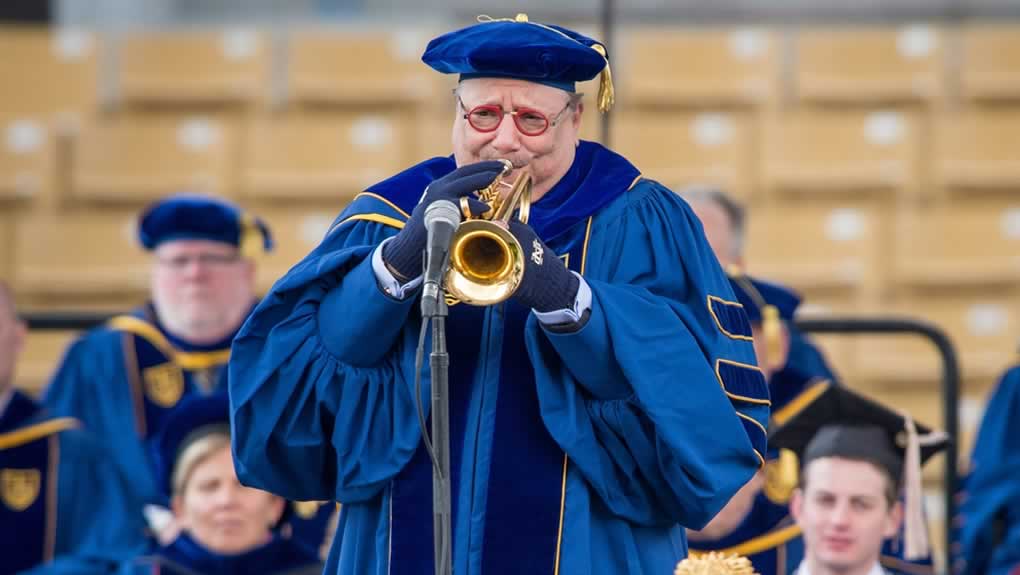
[[607, 94], [772, 329], [715, 564], [250, 243]]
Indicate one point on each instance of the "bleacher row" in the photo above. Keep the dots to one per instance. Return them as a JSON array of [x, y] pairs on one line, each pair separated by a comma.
[[881, 165]]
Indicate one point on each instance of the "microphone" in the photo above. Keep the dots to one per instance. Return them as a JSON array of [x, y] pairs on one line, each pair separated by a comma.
[[441, 220]]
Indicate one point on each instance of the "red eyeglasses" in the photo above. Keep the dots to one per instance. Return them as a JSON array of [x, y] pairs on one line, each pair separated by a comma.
[[529, 121]]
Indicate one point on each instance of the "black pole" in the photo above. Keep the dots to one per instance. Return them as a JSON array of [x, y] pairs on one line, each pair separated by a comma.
[[64, 320], [441, 501], [950, 385], [608, 8]]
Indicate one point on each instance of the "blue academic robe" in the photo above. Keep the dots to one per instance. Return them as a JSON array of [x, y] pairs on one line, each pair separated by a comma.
[[988, 523], [804, 363], [583, 452], [59, 496], [185, 556], [123, 380]]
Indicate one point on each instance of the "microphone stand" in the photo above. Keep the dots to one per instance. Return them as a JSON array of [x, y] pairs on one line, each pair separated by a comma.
[[440, 373]]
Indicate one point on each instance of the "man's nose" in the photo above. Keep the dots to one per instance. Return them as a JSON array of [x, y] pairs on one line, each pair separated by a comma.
[[507, 137], [841, 515], [194, 268]]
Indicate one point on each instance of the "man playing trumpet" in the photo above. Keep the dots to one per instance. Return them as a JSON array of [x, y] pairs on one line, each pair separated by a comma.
[[609, 402]]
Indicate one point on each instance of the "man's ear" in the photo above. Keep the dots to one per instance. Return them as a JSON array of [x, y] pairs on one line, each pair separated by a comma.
[[20, 335], [893, 520], [784, 347], [578, 113], [250, 271], [797, 504]]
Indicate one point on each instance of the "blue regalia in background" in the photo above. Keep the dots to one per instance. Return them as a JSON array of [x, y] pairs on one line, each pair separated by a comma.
[[60, 496], [125, 378], [988, 524]]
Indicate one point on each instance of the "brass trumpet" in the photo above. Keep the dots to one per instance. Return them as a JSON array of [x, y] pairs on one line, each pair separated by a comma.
[[486, 260]]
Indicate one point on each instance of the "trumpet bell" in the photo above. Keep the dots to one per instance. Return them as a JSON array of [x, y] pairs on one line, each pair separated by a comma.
[[486, 263], [486, 260]]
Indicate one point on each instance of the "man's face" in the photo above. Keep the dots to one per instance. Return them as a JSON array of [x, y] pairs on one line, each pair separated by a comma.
[[844, 514], [12, 339], [718, 231], [200, 284], [547, 156]]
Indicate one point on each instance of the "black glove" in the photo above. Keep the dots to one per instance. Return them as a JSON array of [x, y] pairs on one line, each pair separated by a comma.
[[547, 284], [403, 254]]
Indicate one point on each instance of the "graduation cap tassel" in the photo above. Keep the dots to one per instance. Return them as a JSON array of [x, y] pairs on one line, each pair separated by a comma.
[[915, 534], [250, 242], [607, 94]]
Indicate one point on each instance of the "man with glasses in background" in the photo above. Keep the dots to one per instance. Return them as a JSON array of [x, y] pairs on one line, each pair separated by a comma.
[[122, 380], [611, 401]]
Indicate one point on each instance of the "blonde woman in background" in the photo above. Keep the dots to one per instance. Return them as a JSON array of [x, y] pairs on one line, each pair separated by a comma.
[[225, 527]]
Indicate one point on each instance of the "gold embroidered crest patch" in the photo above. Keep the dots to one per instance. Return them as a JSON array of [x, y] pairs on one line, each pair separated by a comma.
[[164, 384], [19, 488], [781, 477]]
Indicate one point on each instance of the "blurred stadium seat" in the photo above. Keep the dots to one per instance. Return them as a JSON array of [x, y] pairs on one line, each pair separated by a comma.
[[28, 159], [137, 156], [297, 229], [681, 147], [823, 152], [324, 155], [831, 180], [970, 243], [830, 248], [977, 150], [990, 63], [859, 65], [80, 254], [192, 67], [53, 75], [40, 358], [697, 67], [358, 66], [982, 323]]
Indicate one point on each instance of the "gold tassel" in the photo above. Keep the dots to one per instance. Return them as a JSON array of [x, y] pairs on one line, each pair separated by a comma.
[[250, 243], [915, 532], [782, 476], [607, 95], [715, 564]]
